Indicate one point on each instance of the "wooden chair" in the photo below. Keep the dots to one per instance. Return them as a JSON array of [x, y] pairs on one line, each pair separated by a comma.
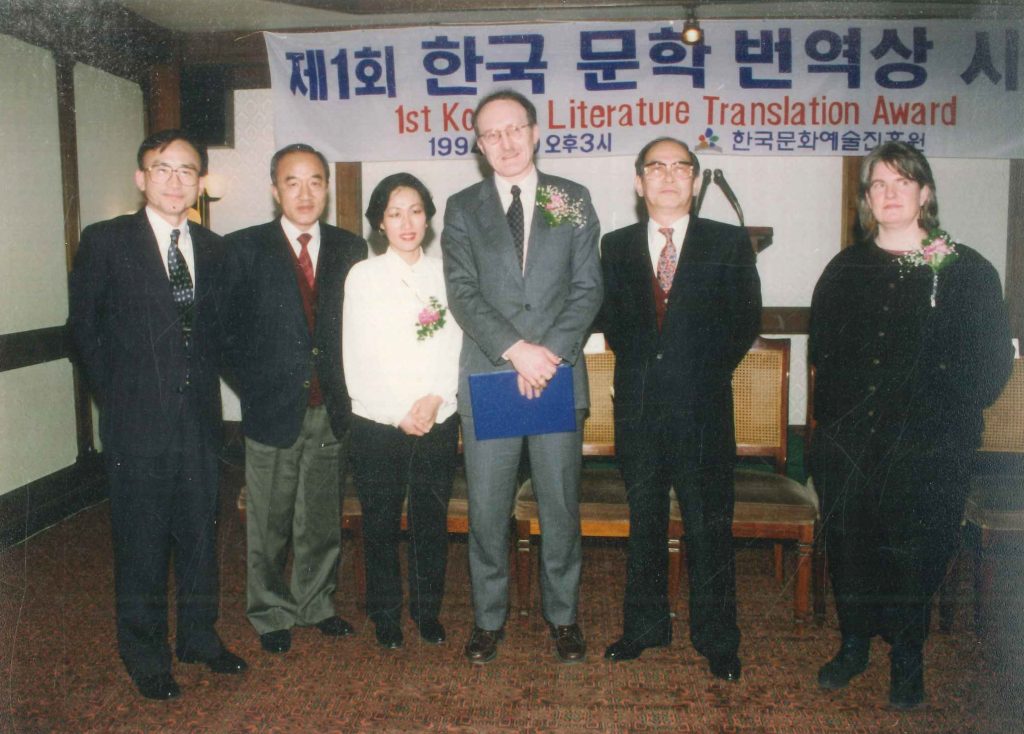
[[768, 504], [994, 513]]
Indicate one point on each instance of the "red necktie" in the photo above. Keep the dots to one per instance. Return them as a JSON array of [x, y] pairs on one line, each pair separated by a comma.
[[305, 262], [667, 261]]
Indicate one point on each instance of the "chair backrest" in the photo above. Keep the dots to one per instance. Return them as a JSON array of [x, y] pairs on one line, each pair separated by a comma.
[[599, 430], [1004, 419], [760, 394], [760, 388]]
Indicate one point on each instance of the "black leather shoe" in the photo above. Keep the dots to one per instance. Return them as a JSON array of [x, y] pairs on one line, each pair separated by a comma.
[[389, 635], [626, 649], [335, 627], [906, 682], [483, 645], [432, 631], [226, 662], [569, 643], [276, 641], [727, 668], [849, 662], [158, 687]]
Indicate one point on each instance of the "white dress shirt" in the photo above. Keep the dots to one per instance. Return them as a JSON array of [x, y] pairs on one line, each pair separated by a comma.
[[528, 197], [656, 240], [293, 232], [387, 368], [162, 230]]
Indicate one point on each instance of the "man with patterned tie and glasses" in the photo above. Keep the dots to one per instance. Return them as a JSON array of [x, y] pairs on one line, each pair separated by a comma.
[[524, 283], [145, 320], [682, 306], [284, 288]]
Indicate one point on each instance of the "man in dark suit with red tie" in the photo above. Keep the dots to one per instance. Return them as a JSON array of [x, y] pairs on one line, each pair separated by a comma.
[[682, 306], [285, 288], [147, 328]]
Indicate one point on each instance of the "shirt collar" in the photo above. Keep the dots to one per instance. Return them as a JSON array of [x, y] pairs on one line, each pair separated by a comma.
[[162, 228], [395, 261], [528, 184], [293, 232], [678, 231]]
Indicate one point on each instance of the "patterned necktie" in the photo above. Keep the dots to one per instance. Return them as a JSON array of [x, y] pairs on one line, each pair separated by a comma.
[[667, 261], [181, 279], [514, 215], [305, 261]]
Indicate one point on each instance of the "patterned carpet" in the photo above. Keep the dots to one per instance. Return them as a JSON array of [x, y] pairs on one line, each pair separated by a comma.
[[59, 669]]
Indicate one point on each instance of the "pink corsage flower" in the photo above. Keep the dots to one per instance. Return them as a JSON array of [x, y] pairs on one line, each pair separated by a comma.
[[430, 320], [558, 208], [937, 252]]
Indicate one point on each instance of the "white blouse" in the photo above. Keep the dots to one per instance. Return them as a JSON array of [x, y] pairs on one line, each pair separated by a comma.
[[393, 358]]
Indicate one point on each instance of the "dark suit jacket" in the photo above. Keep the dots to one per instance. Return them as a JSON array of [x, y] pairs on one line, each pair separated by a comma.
[[270, 351], [712, 318], [127, 332], [496, 304]]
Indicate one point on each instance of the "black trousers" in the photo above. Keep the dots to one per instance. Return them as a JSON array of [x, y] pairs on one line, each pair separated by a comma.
[[163, 507], [657, 455], [891, 511], [389, 466]]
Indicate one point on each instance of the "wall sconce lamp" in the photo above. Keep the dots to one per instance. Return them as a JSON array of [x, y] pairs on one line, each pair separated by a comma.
[[692, 33], [214, 188]]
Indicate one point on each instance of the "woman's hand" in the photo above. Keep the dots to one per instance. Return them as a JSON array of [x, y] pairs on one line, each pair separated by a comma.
[[421, 416]]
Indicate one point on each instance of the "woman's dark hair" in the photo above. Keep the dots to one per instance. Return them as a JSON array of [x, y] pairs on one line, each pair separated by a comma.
[[382, 194], [909, 162]]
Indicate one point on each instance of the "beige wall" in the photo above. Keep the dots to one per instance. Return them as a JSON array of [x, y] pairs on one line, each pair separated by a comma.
[[109, 125], [37, 426], [37, 419]]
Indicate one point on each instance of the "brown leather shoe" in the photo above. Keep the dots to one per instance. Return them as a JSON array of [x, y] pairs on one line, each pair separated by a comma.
[[483, 645], [569, 643]]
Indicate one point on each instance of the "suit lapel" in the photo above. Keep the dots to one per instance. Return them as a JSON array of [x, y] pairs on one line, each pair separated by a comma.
[[326, 267], [282, 257], [152, 272], [539, 231], [642, 273], [494, 225]]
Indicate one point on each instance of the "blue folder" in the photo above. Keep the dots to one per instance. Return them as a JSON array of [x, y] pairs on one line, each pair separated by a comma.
[[499, 411]]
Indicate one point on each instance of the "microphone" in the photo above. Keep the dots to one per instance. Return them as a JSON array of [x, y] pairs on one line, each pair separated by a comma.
[[729, 193], [705, 180]]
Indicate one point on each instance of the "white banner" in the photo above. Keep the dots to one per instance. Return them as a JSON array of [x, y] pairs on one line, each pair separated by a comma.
[[759, 87]]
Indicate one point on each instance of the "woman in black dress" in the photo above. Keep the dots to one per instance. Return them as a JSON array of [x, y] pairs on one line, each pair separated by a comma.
[[910, 342]]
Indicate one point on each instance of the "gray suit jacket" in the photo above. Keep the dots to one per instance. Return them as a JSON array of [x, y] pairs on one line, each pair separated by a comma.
[[553, 304]]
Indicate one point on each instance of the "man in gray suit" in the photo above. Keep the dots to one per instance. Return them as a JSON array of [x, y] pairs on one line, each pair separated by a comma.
[[524, 283]]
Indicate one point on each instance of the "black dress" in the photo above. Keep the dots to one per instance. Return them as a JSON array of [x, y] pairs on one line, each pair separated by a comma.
[[899, 393]]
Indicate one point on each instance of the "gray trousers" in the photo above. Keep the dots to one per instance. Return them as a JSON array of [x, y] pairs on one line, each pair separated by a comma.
[[491, 472], [293, 494]]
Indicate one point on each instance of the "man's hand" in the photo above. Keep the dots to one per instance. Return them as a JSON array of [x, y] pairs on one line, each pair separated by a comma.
[[536, 366]]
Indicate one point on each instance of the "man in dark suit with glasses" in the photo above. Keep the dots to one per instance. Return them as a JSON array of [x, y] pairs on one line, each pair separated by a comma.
[[145, 320]]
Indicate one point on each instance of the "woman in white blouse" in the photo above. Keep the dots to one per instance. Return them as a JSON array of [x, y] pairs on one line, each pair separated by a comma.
[[400, 347]]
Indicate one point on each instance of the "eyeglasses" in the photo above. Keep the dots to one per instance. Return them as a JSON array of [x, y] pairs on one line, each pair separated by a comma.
[[658, 169], [513, 132], [162, 174]]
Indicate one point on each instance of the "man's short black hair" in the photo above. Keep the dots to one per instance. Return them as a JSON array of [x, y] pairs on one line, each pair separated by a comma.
[[298, 148], [159, 141]]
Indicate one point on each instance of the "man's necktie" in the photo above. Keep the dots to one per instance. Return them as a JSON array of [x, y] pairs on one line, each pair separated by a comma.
[[514, 215], [181, 279], [305, 261], [667, 261]]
